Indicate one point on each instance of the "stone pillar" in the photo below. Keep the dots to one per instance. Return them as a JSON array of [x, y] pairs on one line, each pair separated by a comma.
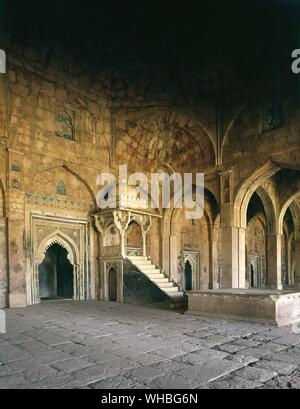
[[233, 258], [3, 264], [120, 272], [165, 253], [173, 258], [17, 295], [233, 238], [274, 242], [242, 257], [297, 264], [123, 243], [16, 231], [144, 244], [106, 267]]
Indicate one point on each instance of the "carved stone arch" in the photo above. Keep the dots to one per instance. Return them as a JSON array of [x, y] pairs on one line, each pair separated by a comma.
[[269, 208], [284, 208], [61, 164], [138, 219], [44, 168], [210, 211], [295, 211], [157, 133], [205, 215], [83, 181], [190, 259], [246, 189], [63, 240], [196, 119], [260, 217], [230, 127]]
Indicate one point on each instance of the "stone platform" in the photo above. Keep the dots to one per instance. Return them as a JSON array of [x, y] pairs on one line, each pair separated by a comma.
[[257, 305]]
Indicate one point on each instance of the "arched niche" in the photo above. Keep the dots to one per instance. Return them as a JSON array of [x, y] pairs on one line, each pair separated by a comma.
[[56, 274], [246, 189], [57, 239], [134, 239], [190, 241], [256, 273]]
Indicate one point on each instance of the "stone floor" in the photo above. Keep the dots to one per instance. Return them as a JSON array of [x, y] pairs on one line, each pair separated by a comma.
[[103, 345]]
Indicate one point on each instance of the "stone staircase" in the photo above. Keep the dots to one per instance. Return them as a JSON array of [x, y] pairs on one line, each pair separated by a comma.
[[164, 283]]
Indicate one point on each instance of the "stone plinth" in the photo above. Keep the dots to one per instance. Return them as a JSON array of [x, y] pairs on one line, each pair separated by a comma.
[[265, 306]]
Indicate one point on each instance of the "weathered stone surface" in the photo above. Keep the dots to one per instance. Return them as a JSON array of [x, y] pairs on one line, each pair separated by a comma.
[[102, 364]]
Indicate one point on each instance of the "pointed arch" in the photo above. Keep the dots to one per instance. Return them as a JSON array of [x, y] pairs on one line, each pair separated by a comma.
[[157, 133], [230, 127], [269, 207], [66, 167], [246, 189], [63, 240], [284, 208]]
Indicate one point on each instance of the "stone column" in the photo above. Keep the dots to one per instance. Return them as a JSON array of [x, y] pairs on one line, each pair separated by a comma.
[[16, 231], [297, 264], [274, 242], [105, 279], [120, 272], [165, 249], [233, 258], [123, 243], [144, 244], [173, 258], [3, 264], [233, 238], [17, 295]]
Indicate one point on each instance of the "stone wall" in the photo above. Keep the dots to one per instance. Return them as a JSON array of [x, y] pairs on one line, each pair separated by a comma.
[[64, 119]]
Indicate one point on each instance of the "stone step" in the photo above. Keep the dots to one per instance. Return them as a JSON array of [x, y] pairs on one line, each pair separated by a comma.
[[155, 276], [138, 258], [177, 296], [147, 266], [141, 261], [172, 290], [166, 285], [152, 271], [162, 280]]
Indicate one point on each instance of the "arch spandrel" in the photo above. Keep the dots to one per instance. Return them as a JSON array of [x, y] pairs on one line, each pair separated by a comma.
[[63, 240]]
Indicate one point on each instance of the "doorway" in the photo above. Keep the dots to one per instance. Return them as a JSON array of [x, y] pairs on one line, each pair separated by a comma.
[[188, 273], [113, 285], [56, 274], [255, 280]]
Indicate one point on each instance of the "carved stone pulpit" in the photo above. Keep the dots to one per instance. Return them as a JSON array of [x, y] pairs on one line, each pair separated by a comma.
[[115, 226]]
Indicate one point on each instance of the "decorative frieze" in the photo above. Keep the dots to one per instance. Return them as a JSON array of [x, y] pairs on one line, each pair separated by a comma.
[[46, 201]]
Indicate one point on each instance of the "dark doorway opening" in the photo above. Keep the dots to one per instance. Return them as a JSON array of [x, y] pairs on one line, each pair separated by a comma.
[[252, 276], [188, 276], [56, 274], [113, 285]]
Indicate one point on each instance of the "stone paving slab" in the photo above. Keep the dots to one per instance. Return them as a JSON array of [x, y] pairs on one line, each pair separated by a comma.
[[97, 345]]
